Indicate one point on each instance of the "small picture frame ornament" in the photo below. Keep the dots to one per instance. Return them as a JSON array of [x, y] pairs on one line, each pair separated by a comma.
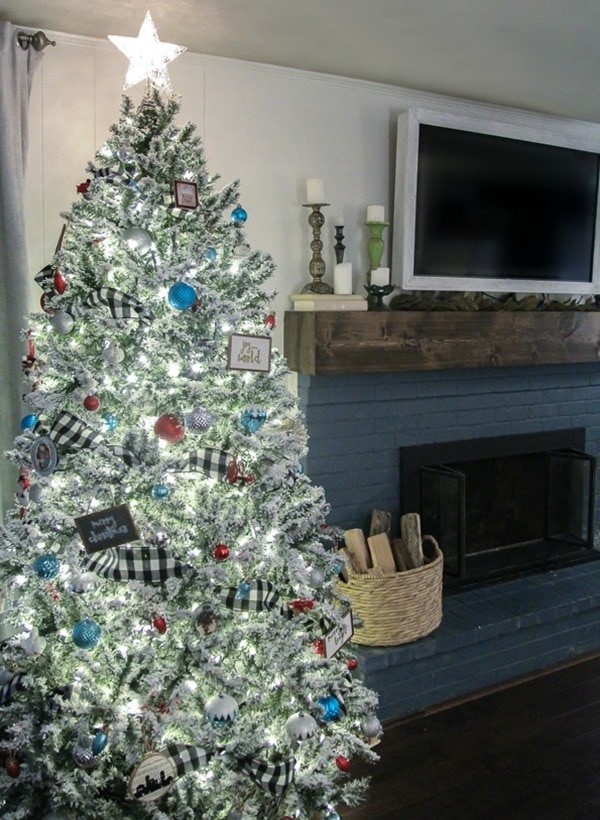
[[251, 353], [186, 194], [152, 778], [44, 457]]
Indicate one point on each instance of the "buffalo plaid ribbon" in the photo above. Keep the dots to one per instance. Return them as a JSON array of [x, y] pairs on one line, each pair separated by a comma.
[[207, 460], [45, 279], [72, 433], [9, 689], [150, 564], [120, 305], [261, 595], [187, 758], [270, 777]]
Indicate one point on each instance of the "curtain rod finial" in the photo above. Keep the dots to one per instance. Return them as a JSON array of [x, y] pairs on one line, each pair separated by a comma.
[[38, 40]]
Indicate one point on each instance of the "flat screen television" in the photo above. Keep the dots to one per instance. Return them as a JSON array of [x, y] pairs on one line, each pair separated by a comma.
[[487, 204]]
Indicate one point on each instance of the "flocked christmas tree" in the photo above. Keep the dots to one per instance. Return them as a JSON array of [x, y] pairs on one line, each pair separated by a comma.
[[172, 577]]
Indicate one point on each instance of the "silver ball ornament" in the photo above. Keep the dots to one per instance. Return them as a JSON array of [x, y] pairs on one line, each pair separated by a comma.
[[62, 322], [198, 420], [126, 154], [137, 239], [113, 354], [85, 757], [370, 726], [85, 582], [317, 577]]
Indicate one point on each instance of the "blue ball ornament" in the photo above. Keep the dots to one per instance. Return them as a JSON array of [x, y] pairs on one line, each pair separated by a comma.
[[86, 634], [46, 566], [29, 421], [99, 743], [111, 422], [252, 419], [239, 215], [332, 708], [181, 296], [210, 254], [159, 492]]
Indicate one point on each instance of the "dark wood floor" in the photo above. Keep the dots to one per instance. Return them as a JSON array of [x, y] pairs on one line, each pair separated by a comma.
[[530, 751]]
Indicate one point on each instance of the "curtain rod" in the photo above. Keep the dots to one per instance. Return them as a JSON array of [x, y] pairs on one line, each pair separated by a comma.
[[38, 40]]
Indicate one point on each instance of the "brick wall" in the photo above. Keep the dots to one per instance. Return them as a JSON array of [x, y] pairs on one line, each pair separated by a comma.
[[357, 424]]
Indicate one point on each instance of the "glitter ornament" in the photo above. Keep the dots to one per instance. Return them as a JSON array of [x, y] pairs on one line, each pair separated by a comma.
[[29, 421], [60, 283], [159, 492], [62, 323], [86, 634], [198, 420], [301, 726], [371, 726], [84, 757], [99, 742], [239, 215], [112, 353], [46, 566], [160, 625], [181, 296], [169, 428], [342, 763], [91, 403], [110, 422], [221, 709], [332, 708], [221, 552], [13, 768], [137, 239], [252, 419]]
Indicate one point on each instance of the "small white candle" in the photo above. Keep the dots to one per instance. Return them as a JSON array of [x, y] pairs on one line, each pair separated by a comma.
[[375, 213], [315, 191], [380, 277], [338, 221], [342, 278]]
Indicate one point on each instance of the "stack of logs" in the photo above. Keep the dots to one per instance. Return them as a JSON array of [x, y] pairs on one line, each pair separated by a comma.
[[379, 554]]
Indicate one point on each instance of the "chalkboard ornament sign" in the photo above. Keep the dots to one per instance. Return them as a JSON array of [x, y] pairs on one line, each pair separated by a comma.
[[107, 528]]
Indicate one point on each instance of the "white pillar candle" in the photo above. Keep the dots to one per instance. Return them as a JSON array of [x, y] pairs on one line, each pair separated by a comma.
[[375, 213], [342, 278], [338, 221], [380, 277], [315, 191]]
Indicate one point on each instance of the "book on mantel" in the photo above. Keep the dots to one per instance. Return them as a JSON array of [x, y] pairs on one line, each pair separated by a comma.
[[329, 301]]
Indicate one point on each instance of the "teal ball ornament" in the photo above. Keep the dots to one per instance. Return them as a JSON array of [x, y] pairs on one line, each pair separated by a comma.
[[239, 215], [110, 422], [252, 419], [29, 421], [99, 743], [46, 566], [86, 634], [333, 708], [210, 254], [159, 492], [181, 296]]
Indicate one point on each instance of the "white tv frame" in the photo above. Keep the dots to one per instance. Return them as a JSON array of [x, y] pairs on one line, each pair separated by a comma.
[[584, 136]]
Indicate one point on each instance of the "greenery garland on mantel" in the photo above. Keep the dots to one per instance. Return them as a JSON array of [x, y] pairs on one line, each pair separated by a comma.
[[436, 300]]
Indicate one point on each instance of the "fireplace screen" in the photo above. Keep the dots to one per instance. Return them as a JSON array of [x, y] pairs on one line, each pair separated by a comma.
[[507, 512]]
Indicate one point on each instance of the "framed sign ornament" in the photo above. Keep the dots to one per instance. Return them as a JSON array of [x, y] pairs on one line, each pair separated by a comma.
[[249, 353], [186, 194]]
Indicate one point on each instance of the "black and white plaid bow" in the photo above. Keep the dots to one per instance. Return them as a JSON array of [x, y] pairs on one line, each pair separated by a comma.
[[9, 689], [207, 460], [270, 777], [72, 433], [149, 564], [186, 758], [120, 305], [258, 596], [45, 279]]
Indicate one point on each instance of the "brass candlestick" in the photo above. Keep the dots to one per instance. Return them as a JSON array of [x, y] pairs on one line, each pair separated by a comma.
[[316, 266]]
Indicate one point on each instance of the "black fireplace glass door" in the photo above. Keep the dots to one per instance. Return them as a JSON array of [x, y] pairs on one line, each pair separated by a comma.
[[570, 497], [443, 513]]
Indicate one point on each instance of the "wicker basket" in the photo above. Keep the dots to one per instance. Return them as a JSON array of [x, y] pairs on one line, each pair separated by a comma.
[[400, 607]]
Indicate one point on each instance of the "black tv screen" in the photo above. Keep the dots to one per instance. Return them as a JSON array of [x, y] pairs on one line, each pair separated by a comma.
[[487, 208]]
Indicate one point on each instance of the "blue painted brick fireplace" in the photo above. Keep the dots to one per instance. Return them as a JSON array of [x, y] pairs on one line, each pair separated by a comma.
[[357, 425]]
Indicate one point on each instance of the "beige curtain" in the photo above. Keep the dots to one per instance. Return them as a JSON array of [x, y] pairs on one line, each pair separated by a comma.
[[17, 67]]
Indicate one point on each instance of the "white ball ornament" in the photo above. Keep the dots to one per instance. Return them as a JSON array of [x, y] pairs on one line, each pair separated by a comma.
[[113, 354], [301, 726], [221, 709], [137, 239]]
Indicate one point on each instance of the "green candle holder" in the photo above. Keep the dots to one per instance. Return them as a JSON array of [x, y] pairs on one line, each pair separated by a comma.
[[375, 244]]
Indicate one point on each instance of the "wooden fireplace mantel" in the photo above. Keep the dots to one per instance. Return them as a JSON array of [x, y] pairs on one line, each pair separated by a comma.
[[336, 342]]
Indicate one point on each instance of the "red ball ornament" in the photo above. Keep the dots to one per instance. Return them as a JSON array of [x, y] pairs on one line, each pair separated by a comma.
[[160, 625], [221, 552], [91, 403], [60, 283], [352, 664], [270, 321], [13, 768], [43, 305], [342, 763], [169, 428], [320, 647], [301, 605]]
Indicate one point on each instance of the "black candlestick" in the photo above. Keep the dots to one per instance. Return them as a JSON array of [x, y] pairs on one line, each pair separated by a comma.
[[339, 246]]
